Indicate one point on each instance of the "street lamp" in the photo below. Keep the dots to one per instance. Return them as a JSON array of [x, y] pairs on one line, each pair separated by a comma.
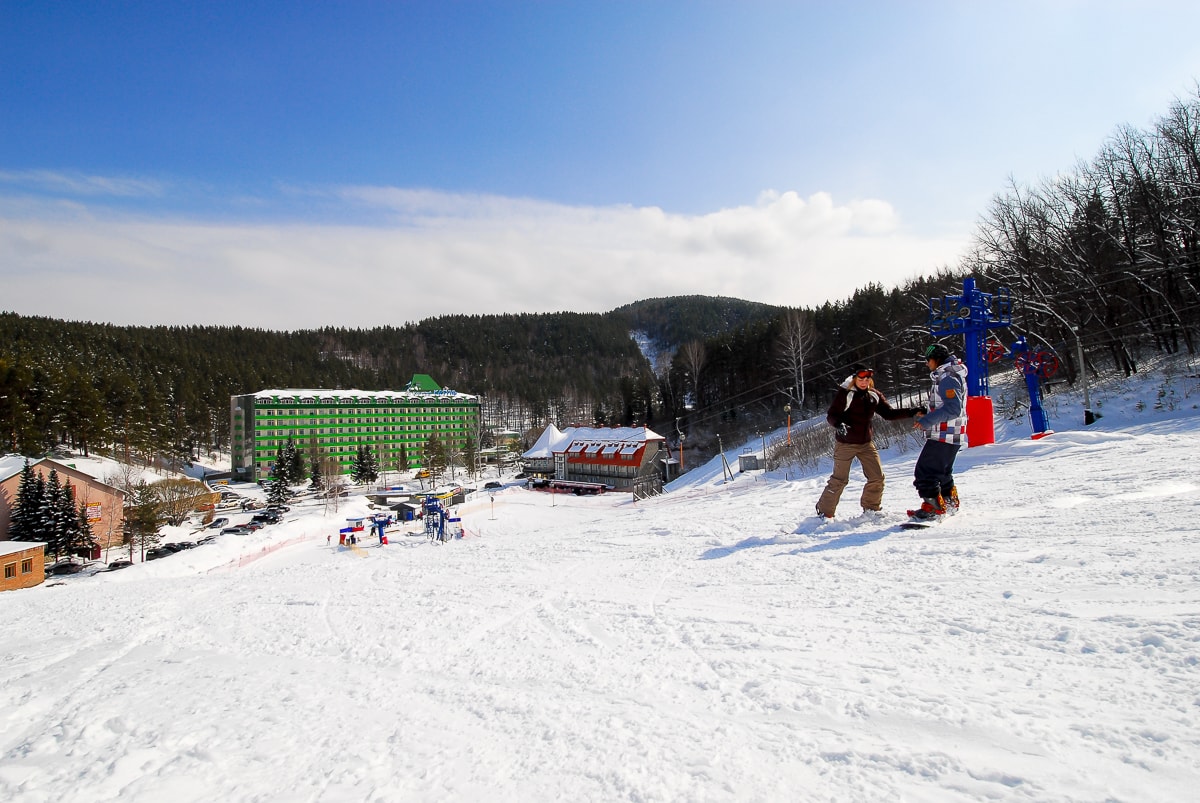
[[787, 408]]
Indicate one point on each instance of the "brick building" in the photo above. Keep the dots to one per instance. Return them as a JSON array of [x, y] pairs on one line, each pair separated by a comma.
[[22, 564], [106, 504]]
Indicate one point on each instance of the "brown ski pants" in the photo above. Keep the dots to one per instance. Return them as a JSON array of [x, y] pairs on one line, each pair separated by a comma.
[[843, 455]]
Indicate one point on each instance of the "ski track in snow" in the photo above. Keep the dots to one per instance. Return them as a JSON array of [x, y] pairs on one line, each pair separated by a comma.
[[1044, 644]]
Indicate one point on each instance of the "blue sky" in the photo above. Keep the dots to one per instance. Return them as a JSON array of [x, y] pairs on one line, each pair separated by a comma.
[[366, 163]]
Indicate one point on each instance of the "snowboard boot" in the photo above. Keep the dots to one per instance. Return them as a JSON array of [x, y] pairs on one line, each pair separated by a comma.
[[822, 517], [951, 500], [931, 507]]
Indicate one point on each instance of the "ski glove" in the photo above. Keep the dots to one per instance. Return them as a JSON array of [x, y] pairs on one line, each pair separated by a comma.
[[843, 430]]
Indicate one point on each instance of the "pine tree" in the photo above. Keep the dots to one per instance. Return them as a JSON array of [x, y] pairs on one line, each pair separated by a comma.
[[436, 456], [39, 512], [277, 492], [293, 463], [361, 465], [66, 519], [20, 523], [83, 539], [372, 464], [143, 518], [53, 532], [277, 468], [314, 478]]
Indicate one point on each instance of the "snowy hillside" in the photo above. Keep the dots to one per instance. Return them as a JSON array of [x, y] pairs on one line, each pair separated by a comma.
[[710, 644]]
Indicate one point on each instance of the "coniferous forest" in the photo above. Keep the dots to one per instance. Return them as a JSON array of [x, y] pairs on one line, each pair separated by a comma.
[[1103, 257]]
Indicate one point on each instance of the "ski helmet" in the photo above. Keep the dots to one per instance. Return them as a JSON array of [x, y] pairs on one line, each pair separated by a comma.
[[937, 352]]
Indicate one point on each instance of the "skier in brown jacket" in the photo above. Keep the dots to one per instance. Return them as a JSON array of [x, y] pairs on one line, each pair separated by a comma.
[[851, 414]]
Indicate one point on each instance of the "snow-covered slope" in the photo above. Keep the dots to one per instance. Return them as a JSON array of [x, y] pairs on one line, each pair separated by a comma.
[[706, 645]]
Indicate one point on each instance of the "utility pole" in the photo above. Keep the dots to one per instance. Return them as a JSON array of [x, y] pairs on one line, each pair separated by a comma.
[[1088, 416], [680, 433]]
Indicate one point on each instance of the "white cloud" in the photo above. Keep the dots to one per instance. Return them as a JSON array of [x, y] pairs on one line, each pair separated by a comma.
[[443, 253], [82, 184]]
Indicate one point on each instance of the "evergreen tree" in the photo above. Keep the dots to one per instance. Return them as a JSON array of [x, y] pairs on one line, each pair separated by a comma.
[[470, 455], [316, 482], [52, 529], [372, 465], [39, 514], [20, 522], [436, 456], [277, 492], [82, 539], [278, 470], [66, 519], [143, 517], [293, 463], [366, 467]]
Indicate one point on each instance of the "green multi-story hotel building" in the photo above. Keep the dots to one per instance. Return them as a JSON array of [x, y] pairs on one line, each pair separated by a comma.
[[333, 423]]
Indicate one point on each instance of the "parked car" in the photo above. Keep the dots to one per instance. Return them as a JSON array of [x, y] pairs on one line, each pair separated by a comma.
[[238, 530], [251, 526], [65, 568], [159, 552], [208, 539], [492, 484], [423, 474], [116, 565], [218, 523]]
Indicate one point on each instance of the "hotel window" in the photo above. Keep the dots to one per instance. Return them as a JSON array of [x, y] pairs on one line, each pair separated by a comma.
[[10, 571], [27, 566]]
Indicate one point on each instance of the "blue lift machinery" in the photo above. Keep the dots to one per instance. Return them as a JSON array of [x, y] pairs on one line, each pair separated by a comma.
[[435, 517], [971, 315], [440, 523]]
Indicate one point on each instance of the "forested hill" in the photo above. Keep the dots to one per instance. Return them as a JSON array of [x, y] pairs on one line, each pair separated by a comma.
[[671, 322], [166, 389]]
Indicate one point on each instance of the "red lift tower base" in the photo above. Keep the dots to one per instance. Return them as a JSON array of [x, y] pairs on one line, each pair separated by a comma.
[[981, 428]]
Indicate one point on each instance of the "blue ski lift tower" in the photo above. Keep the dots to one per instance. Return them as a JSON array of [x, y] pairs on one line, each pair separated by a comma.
[[971, 315]]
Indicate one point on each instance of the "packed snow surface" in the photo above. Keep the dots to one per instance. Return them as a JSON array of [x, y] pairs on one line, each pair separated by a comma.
[[709, 644]]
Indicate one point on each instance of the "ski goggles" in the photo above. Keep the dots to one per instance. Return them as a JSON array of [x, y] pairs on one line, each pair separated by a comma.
[[866, 373]]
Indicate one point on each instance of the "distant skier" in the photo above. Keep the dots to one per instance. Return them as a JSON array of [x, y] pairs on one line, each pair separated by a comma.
[[852, 414], [945, 428]]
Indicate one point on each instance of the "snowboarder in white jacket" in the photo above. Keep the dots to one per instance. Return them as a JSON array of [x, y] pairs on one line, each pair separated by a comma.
[[945, 428]]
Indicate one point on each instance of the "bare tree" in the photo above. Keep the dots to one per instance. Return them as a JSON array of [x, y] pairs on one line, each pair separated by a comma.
[[694, 357], [179, 497], [330, 473], [797, 338]]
